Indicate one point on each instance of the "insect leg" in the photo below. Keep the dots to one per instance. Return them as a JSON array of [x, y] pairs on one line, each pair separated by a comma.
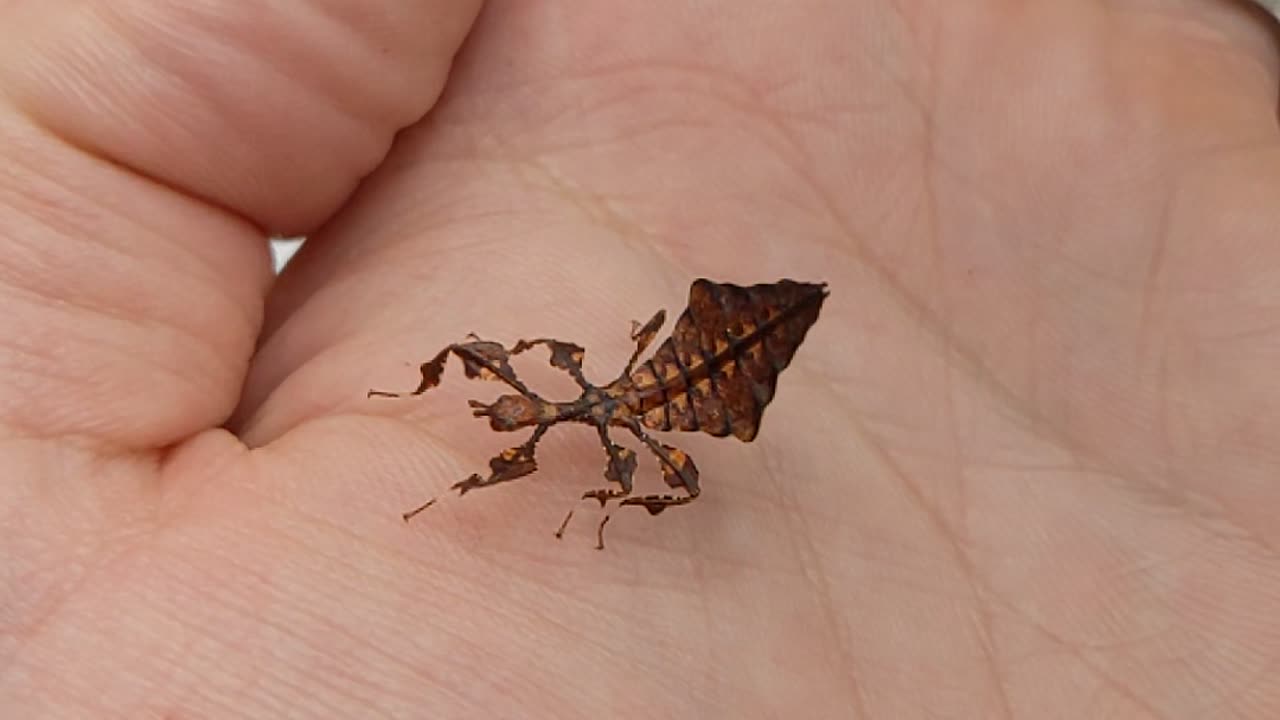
[[678, 471], [480, 359], [643, 335], [430, 369], [507, 465], [619, 468], [564, 355]]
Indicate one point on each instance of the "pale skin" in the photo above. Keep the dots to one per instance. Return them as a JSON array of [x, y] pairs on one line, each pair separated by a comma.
[[1025, 465]]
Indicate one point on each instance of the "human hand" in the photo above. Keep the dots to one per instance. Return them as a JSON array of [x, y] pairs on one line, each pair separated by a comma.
[[1023, 466]]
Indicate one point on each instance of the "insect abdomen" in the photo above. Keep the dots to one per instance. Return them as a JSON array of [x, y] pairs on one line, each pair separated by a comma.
[[718, 370]]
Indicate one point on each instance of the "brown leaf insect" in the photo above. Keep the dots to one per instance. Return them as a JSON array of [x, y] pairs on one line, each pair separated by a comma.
[[716, 373]]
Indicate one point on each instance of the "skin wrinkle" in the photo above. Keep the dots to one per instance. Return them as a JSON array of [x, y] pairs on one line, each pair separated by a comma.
[[25, 429], [1264, 675], [1184, 664], [265, 685], [316, 615], [26, 283], [749, 106], [648, 91], [816, 576], [1080, 649], [194, 81], [194, 264], [105, 559], [18, 285], [1209, 152], [985, 630], [1213, 521], [391, 51], [1074, 650], [592, 206], [978, 589], [49, 211], [585, 639], [362, 111], [623, 228], [984, 627], [698, 575], [50, 371], [932, 233], [137, 173], [286, 630], [442, 448], [1152, 287], [1220, 512], [608, 216], [969, 363], [63, 303], [981, 591]]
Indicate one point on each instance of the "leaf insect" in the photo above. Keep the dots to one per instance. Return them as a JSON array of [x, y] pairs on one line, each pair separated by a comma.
[[715, 373]]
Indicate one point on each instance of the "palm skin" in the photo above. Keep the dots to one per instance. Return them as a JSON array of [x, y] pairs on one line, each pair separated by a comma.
[[1023, 466]]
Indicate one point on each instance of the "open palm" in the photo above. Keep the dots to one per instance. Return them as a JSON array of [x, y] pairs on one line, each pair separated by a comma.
[[1024, 465]]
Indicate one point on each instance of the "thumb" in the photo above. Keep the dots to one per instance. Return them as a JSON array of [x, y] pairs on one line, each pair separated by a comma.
[[147, 146]]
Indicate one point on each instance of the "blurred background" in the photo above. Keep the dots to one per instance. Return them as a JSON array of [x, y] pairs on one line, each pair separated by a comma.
[[282, 249]]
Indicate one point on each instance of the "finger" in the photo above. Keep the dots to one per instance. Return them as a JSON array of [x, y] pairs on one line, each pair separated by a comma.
[[560, 189], [147, 145]]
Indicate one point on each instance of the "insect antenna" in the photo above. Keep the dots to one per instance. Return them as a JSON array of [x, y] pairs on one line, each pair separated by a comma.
[[436, 500], [410, 515], [599, 528], [600, 532], [565, 524], [439, 498]]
